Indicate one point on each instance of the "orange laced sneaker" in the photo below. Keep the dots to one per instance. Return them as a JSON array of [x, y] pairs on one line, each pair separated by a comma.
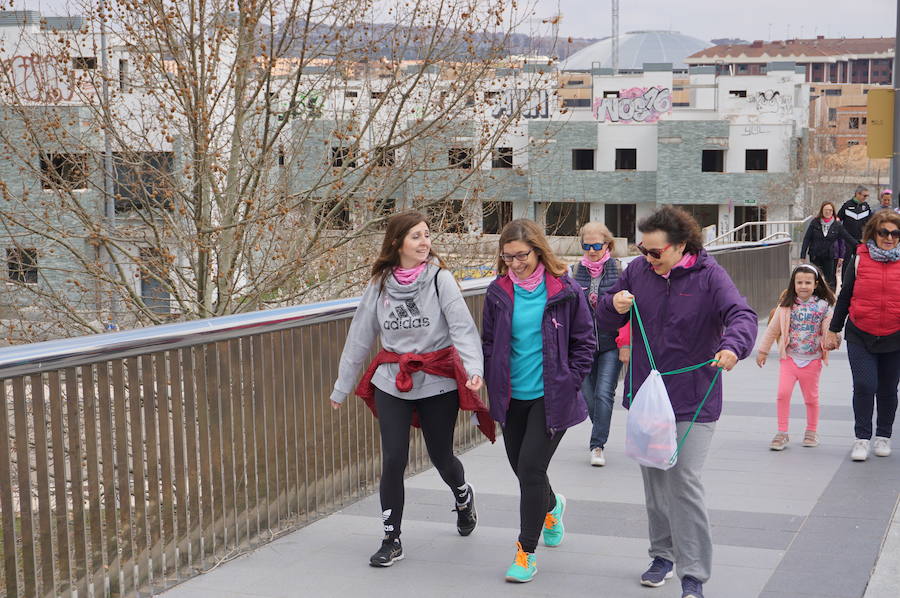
[[553, 524], [523, 568]]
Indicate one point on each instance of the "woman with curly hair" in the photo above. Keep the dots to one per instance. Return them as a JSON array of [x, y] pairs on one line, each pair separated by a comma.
[[691, 312]]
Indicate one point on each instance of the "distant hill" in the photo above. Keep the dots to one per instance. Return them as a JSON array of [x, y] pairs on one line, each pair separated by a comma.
[[372, 41], [728, 41]]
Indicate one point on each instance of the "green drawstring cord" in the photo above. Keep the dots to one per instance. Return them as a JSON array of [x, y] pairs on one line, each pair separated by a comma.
[[636, 314]]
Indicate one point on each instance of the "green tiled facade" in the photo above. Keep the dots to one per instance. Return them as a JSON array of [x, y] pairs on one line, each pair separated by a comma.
[[551, 177], [679, 176]]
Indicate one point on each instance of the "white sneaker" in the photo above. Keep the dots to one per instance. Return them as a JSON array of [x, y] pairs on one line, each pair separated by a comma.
[[882, 446], [597, 457], [860, 451]]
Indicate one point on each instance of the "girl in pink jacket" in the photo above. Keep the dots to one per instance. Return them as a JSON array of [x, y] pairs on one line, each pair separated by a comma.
[[798, 324]]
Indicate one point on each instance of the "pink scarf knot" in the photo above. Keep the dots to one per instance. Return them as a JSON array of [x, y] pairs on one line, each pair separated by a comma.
[[595, 268], [530, 283], [688, 260], [409, 275]]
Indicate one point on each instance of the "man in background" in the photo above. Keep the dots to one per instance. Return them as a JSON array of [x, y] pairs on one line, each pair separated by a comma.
[[886, 199], [854, 215]]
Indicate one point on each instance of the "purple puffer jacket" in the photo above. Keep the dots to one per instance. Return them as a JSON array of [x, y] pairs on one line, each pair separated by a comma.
[[569, 344], [689, 317]]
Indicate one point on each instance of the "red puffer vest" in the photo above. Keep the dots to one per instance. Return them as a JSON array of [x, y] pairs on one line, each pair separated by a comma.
[[875, 305]]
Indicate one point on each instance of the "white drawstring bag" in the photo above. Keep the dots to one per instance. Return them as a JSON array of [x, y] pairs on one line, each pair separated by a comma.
[[650, 434]]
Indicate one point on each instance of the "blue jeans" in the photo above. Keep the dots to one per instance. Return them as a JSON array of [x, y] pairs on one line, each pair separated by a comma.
[[599, 390], [875, 377]]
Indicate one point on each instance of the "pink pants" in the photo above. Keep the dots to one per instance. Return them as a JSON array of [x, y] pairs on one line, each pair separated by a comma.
[[808, 378]]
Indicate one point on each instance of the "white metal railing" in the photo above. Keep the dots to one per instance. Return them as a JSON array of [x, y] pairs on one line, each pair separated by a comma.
[[764, 230]]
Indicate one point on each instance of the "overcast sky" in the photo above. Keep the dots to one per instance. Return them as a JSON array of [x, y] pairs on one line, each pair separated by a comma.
[[705, 19], [747, 19]]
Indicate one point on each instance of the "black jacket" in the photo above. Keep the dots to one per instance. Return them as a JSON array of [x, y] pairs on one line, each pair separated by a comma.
[[821, 246], [854, 215]]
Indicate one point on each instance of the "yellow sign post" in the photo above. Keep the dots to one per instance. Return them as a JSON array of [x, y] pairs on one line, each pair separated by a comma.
[[880, 125]]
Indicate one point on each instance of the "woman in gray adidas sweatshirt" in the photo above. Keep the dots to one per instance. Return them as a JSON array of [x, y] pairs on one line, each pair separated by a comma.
[[414, 307]]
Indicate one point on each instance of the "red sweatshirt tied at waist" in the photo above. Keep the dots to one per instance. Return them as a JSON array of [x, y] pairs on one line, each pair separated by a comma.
[[443, 362]]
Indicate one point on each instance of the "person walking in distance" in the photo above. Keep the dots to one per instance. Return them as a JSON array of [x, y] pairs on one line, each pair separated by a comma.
[[595, 274], [429, 368], [821, 239], [869, 306], [799, 324], [692, 312], [854, 215], [538, 342], [885, 200]]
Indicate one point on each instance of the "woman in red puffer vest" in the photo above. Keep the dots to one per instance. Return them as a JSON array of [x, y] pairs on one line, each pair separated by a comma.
[[869, 296]]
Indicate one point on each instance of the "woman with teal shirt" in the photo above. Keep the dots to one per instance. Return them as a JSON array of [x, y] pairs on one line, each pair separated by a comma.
[[538, 341]]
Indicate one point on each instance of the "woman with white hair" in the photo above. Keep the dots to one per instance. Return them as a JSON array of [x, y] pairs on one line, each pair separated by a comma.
[[596, 273]]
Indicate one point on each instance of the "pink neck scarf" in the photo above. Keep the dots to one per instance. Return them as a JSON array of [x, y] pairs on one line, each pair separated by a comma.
[[827, 219], [688, 260], [595, 268], [409, 275], [530, 283]]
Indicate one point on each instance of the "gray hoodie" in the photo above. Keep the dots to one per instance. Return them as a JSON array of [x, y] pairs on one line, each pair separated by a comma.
[[411, 318]]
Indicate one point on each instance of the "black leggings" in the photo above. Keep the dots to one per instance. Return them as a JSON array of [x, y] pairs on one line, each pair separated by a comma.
[[437, 416], [828, 266], [529, 448]]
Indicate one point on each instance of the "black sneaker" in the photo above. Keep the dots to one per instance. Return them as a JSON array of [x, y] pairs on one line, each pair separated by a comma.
[[660, 570], [466, 517], [390, 552]]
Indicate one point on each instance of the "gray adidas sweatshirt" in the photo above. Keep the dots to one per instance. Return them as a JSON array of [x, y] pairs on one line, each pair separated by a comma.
[[409, 318]]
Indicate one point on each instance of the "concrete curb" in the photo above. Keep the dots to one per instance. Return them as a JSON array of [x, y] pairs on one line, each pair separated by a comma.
[[885, 580]]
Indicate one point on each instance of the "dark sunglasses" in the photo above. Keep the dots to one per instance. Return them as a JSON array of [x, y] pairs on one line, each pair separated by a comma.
[[654, 253], [889, 233], [594, 246]]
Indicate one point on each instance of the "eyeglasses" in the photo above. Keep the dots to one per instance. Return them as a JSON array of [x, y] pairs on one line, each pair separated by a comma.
[[594, 246], [885, 233], [654, 253], [519, 257]]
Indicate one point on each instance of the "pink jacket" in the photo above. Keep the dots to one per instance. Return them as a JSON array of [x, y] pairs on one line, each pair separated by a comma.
[[623, 338], [779, 328]]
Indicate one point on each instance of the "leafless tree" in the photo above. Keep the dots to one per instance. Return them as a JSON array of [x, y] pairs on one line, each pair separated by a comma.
[[221, 157]]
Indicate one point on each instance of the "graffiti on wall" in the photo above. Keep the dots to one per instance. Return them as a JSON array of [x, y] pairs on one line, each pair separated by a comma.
[[36, 79], [753, 130], [772, 101], [638, 104], [533, 105]]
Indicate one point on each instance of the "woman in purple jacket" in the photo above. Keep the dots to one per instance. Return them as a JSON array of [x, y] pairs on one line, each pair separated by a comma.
[[692, 312], [538, 342]]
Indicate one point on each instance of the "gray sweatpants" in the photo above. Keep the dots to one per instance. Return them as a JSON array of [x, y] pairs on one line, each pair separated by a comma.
[[679, 524]]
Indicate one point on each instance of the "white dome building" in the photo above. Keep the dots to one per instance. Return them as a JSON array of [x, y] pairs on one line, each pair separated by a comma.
[[637, 48]]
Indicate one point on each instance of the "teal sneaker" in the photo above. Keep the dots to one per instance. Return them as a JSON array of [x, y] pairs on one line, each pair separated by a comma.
[[523, 568], [553, 523]]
